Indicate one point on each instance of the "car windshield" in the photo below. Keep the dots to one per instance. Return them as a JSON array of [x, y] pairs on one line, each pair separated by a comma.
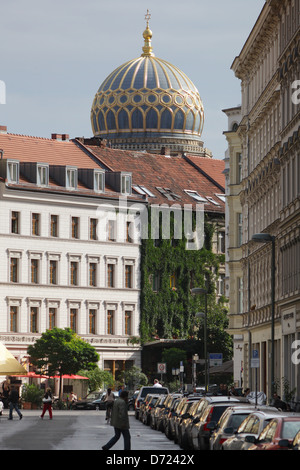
[[158, 390], [237, 419], [92, 396]]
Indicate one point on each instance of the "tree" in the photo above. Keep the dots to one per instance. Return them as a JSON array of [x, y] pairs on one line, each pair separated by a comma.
[[134, 378], [61, 351], [173, 357], [98, 378]]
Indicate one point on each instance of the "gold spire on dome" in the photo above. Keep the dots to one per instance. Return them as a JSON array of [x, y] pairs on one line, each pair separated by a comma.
[[147, 35]]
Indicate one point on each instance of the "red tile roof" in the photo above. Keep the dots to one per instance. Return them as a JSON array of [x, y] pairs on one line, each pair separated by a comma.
[[175, 173]]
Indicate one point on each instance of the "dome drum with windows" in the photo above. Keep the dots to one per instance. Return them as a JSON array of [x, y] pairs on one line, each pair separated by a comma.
[[147, 103]]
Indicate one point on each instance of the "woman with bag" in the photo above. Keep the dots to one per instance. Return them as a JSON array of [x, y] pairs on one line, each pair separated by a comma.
[[47, 402]]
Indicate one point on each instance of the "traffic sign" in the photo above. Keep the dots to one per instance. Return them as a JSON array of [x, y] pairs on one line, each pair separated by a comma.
[[162, 368], [215, 359], [255, 359]]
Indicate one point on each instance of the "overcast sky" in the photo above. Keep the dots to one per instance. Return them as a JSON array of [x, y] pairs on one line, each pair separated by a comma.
[[54, 55]]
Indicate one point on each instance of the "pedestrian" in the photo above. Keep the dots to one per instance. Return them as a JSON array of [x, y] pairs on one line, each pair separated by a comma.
[[47, 402], [278, 403], [109, 401], [73, 399], [13, 399], [120, 422], [156, 383]]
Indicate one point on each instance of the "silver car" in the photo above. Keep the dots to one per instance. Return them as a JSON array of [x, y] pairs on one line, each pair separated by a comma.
[[252, 425], [229, 423]]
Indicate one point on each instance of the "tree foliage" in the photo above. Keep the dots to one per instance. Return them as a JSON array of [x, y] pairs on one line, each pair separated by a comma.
[[61, 351]]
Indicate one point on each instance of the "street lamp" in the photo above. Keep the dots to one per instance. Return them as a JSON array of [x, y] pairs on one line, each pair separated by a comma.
[[267, 238], [201, 291]]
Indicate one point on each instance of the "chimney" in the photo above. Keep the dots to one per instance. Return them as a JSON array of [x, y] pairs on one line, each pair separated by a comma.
[[56, 136], [3, 129], [165, 151], [65, 137]]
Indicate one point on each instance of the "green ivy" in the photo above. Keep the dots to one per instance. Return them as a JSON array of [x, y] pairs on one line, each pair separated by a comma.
[[168, 313]]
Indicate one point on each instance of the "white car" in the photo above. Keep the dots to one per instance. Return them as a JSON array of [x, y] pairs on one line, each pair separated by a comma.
[[1, 407]]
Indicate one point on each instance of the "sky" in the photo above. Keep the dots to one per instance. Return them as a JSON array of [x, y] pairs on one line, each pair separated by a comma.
[[54, 55]]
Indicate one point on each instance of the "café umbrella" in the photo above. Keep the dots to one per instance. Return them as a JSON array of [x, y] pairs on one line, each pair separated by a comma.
[[8, 364]]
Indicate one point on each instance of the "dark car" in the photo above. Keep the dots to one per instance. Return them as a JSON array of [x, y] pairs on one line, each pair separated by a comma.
[[87, 402], [148, 405], [131, 400], [170, 425], [212, 410], [185, 428], [143, 392], [183, 411], [156, 410], [277, 435], [163, 414]]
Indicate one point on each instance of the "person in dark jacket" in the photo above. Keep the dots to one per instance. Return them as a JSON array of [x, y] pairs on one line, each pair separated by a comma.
[[120, 422], [13, 399]]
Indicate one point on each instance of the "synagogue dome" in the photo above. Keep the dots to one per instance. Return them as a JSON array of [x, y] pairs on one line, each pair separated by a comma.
[[148, 103]]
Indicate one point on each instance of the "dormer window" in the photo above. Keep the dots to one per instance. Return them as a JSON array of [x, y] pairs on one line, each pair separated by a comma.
[[99, 181], [13, 172], [125, 184], [71, 178], [42, 175]]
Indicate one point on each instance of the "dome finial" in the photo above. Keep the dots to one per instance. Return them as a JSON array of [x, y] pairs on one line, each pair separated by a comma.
[[147, 35]]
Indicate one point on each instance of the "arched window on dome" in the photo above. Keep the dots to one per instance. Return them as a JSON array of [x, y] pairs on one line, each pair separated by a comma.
[[152, 119], [111, 120], [189, 122], [179, 119], [137, 119], [166, 119], [101, 122], [123, 119]]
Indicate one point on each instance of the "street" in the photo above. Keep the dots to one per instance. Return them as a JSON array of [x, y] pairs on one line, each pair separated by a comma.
[[74, 430]]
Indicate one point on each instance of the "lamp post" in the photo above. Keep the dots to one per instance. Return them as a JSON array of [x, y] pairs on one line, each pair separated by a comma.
[[201, 291], [267, 238]]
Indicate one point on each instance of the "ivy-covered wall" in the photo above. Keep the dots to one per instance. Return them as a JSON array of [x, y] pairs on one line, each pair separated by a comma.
[[168, 272]]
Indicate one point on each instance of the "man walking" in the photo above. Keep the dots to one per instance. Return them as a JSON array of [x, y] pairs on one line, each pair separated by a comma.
[[13, 403], [120, 421]]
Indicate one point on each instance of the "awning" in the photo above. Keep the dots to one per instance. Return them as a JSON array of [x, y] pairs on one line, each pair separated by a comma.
[[8, 364], [31, 375], [71, 377], [225, 368]]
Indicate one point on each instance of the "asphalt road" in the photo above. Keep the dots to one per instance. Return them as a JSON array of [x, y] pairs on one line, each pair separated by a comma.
[[74, 430]]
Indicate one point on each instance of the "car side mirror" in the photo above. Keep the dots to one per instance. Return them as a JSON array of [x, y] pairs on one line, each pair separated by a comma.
[[228, 430], [211, 425], [250, 439], [284, 443]]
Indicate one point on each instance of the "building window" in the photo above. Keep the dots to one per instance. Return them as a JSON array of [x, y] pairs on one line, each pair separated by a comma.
[[154, 281], [126, 184], [73, 319], [239, 229], [93, 274], [53, 272], [92, 321], [128, 320], [15, 218], [99, 182], [110, 275], [35, 271], [13, 319], [35, 224], [221, 284], [173, 281], [52, 318], [14, 270], [33, 320], [221, 242], [93, 229], [54, 226], [13, 172], [111, 229], [240, 294], [110, 322], [128, 276], [42, 176], [239, 168], [74, 273], [75, 227], [71, 182]]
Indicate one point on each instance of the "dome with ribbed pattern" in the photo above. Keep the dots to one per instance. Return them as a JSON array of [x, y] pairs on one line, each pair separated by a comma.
[[148, 103]]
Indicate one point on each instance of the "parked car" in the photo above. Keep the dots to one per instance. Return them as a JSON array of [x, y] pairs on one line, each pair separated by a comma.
[[183, 411], [131, 400], [252, 425], [87, 402], [296, 442], [211, 410], [170, 426], [143, 392], [1, 407], [156, 410], [163, 415], [150, 402], [186, 422], [229, 423], [277, 435]]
